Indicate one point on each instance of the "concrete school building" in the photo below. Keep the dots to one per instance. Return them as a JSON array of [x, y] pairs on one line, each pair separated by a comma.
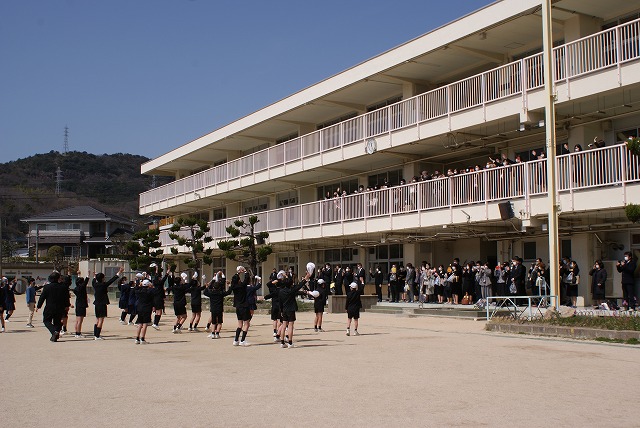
[[392, 160]]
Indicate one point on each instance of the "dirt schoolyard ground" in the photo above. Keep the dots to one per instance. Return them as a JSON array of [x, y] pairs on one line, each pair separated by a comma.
[[399, 372]]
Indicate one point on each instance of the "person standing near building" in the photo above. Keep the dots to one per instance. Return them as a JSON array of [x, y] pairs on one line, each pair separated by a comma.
[[276, 308], [10, 297], [598, 279], [82, 302], [159, 295], [54, 294], [319, 301], [627, 268], [352, 307], [337, 280], [101, 300], [195, 289], [32, 288], [378, 279], [287, 298], [2, 299], [243, 314], [573, 278], [123, 302]]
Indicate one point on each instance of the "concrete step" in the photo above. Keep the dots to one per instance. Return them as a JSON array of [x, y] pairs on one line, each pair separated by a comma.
[[411, 309]]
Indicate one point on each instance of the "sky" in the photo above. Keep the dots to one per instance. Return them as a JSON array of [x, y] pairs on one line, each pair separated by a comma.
[[146, 76]]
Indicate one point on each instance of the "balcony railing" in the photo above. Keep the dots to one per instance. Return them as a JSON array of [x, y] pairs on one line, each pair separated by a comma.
[[607, 166], [609, 48]]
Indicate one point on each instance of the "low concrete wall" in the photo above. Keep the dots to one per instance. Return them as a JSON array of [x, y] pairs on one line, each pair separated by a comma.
[[561, 331], [337, 303]]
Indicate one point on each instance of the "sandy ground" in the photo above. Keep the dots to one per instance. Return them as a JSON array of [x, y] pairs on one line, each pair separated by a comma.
[[400, 372]]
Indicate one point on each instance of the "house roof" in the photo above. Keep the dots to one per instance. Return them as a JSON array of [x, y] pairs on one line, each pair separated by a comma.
[[78, 213]]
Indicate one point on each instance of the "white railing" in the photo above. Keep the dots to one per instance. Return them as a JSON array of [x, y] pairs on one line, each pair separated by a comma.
[[599, 51], [607, 166]]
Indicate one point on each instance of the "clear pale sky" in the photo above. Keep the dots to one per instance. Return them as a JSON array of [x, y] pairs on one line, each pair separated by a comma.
[[146, 76]]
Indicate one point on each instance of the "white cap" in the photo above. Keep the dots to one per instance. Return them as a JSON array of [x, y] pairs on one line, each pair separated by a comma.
[[315, 293], [195, 275], [281, 275], [146, 282], [184, 275], [240, 269], [139, 275], [310, 267], [258, 278], [321, 281], [353, 285], [153, 265]]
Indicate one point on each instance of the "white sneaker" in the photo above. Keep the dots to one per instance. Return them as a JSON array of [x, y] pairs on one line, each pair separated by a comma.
[[30, 325], [78, 336], [356, 333], [156, 326], [210, 335], [190, 328], [276, 340], [236, 343], [98, 338], [137, 342], [2, 330], [291, 345], [62, 333], [143, 342], [275, 334], [245, 343], [122, 322], [348, 333], [283, 345]]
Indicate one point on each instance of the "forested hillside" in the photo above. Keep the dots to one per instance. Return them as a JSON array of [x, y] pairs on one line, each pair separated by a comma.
[[109, 183]]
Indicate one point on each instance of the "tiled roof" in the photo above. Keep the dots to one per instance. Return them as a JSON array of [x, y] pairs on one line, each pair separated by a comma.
[[79, 213]]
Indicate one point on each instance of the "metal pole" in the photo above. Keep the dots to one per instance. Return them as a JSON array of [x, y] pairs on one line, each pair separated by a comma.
[[550, 128]]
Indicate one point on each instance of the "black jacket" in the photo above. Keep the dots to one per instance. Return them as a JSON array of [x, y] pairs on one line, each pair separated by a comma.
[[100, 290], [239, 289], [145, 298], [216, 298], [55, 295], [287, 297], [179, 293], [627, 269], [353, 299], [80, 291]]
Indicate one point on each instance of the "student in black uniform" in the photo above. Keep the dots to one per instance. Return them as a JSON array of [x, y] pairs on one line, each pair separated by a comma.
[[352, 307], [66, 280], [287, 298], [123, 302], [101, 300], [274, 286], [145, 292], [159, 295], [179, 290], [196, 302], [216, 294], [54, 294], [82, 302], [319, 301], [2, 298], [243, 313]]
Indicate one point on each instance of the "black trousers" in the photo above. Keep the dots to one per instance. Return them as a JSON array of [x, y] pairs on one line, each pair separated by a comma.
[[53, 322], [395, 292], [629, 294], [379, 292]]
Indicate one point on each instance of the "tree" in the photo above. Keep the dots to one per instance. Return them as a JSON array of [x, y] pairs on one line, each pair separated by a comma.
[[55, 254], [144, 249], [193, 236], [247, 246]]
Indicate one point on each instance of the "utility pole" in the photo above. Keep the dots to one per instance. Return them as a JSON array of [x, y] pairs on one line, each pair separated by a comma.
[[66, 140], [550, 129]]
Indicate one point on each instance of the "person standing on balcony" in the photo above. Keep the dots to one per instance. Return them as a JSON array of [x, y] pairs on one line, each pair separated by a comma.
[[101, 300], [627, 268]]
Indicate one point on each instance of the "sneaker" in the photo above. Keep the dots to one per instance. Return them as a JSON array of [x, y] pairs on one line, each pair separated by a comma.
[[275, 334], [2, 330], [348, 333], [98, 338], [315, 329], [155, 326], [321, 330], [356, 333], [291, 345], [211, 335], [62, 333], [283, 345], [190, 328], [78, 336], [30, 325], [245, 343], [276, 340], [121, 322], [137, 341], [236, 343], [143, 342]]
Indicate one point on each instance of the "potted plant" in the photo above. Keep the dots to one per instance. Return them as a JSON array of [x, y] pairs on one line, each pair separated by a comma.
[[633, 144], [633, 212]]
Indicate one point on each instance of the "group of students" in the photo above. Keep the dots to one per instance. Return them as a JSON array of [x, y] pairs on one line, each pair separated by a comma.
[[144, 297]]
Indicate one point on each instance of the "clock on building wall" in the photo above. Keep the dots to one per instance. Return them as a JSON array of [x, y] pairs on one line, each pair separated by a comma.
[[371, 146]]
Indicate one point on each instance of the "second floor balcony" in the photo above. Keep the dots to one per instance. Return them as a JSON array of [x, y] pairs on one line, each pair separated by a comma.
[[613, 171]]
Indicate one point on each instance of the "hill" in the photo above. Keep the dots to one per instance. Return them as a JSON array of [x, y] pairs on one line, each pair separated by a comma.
[[110, 183]]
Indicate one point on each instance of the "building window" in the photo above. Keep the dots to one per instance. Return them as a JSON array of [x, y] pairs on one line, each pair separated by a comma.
[[385, 256], [529, 251], [392, 178], [46, 226], [349, 186], [219, 213], [340, 256], [287, 199], [72, 226], [286, 261], [255, 205], [565, 248]]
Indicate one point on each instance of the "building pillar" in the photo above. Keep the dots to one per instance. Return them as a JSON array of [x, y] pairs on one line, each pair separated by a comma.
[[579, 26]]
